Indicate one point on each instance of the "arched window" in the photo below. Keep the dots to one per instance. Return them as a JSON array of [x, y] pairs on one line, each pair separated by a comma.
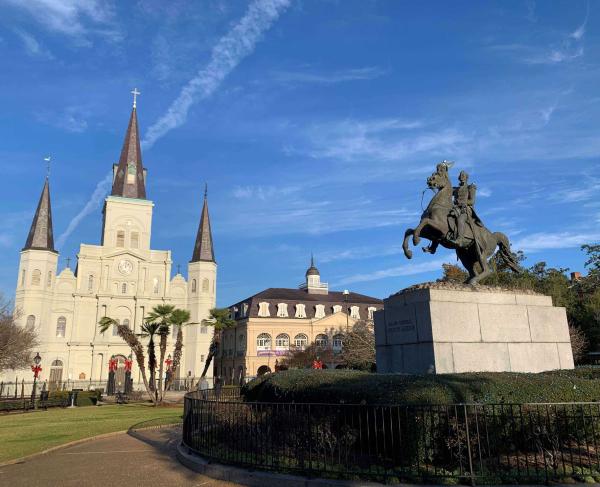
[[49, 281], [282, 310], [124, 288], [263, 341], [319, 311], [300, 311], [36, 277], [55, 379], [282, 341], [205, 285], [337, 343], [126, 322], [90, 283], [194, 286], [23, 277], [30, 324], [115, 330], [61, 327], [135, 240], [155, 285], [300, 341], [263, 310], [321, 341], [121, 238]]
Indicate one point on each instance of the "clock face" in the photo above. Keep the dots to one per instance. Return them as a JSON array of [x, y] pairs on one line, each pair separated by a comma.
[[125, 267]]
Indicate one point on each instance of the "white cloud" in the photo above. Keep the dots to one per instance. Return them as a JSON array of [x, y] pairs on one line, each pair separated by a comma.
[[402, 270], [559, 240], [72, 119], [229, 51], [333, 77], [32, 46], [71, 17], [264, 193], [93, 204]]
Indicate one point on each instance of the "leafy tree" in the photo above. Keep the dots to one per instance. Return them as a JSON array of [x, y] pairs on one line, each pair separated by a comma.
[[219, 319], [358, 347], [304, 358], [161, 315], [454, 273], [16, 342], [179, 318], [134, 343]]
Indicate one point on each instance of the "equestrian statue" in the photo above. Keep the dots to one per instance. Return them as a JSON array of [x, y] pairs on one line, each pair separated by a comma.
[[450, 220]]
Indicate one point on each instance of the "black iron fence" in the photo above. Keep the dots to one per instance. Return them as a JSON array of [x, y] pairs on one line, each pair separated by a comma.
[[474, 443]]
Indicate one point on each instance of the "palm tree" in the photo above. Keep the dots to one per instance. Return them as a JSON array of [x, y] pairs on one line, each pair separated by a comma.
[[130, 339], [148, 331], [161, 315], [219, 319], [179, 318]]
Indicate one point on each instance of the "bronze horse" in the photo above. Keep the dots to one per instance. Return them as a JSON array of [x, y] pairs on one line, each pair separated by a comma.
[[436, 225]]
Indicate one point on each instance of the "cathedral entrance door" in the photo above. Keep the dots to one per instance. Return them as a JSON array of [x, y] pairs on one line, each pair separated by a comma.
[[120, 374], [55, 379]]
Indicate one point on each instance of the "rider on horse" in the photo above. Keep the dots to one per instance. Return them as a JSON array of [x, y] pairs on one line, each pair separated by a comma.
[[463, 212]]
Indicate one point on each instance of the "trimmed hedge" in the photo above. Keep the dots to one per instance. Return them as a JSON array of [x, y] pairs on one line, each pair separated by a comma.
[[354, 387], [84, 398]]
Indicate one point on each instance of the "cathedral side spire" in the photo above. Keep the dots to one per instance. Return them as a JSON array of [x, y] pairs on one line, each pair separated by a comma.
[[128, 180], [40, 235], [203, 249]]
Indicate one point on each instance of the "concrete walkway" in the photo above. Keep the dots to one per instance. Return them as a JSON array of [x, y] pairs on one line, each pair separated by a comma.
[[142, 458]]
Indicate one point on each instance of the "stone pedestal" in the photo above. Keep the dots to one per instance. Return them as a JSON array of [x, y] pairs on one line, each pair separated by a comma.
[[442, 328]]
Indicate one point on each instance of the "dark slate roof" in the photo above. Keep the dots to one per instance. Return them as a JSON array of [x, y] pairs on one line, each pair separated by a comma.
[[130, 160], [40, 235], [292, 297], [203, 248]]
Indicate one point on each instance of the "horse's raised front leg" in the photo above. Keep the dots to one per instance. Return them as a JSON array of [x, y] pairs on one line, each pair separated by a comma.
[[407, 251], [417, 231]]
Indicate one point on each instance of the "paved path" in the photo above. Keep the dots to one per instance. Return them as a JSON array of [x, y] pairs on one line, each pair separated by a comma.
[[143, 458]]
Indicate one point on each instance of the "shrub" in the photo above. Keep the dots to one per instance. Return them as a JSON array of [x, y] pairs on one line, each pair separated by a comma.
[[84, 398], [354, 387]]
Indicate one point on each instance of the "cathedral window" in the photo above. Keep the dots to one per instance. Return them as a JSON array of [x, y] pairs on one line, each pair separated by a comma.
[[124, 288], [23, 278], [49, 281], [300, 341], [319, 311], [282, 311], [370, 311], [337, 343], [115, 329], [337, 308], [321, 341], [300, 311], [135, 240], [126, 323], [121, 238], [61, 327], [263, 341], [194, 286], [263, 310], [36, 277], [282, 342], [155, 285], [90, 283], [205, 285], [30, 324], [355, 312]]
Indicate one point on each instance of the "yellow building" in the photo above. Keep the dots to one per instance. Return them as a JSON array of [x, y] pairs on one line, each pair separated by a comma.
[[277, 320]]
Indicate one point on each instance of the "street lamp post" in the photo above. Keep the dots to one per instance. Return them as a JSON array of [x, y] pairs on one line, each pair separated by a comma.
[[36, 369], [346, 295]]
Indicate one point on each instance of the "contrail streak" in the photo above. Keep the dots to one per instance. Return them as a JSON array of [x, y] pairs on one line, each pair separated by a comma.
[[229, 51]]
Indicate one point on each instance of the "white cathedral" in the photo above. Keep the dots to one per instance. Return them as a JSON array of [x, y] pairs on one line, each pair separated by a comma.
[[122, 278]]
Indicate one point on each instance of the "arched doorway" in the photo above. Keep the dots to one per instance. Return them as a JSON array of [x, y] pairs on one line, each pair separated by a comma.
[[262, 370], [120, 373], [56, 372]]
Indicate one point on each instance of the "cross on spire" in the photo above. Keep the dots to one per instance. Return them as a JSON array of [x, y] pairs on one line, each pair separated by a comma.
[[135, 93], [68, 259], [47, 160], [178, 269]]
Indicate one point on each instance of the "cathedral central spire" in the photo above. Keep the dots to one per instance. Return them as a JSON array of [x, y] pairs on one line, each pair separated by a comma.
[[128, 180], [203, 249]]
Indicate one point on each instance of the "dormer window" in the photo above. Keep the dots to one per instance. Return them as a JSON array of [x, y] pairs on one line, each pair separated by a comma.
[[300, 311], [282, 311], [319, 311], [245, 309], [370, 311], [337, 308], [263, 310], [355, 312]]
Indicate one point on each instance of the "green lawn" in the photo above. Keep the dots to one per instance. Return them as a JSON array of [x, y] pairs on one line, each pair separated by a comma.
[[23, 434]]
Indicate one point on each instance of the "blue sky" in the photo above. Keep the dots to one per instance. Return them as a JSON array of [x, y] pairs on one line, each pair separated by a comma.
[[315, 125]]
